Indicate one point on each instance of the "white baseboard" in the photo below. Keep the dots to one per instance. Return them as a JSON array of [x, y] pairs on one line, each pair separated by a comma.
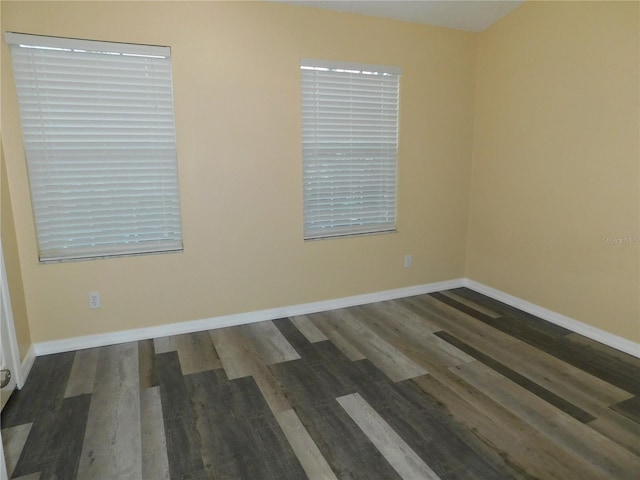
[[90, 341], [602, 336], [27, 363]]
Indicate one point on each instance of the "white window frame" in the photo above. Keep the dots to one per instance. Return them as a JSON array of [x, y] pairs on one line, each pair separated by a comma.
[[350, 118], [99, 136]]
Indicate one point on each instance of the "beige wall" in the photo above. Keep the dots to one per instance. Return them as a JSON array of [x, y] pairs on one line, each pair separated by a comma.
[[236, 88], [556, 161], [550, 126], [12, 264]]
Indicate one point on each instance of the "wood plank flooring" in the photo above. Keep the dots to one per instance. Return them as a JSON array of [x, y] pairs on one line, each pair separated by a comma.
[[451, 385]]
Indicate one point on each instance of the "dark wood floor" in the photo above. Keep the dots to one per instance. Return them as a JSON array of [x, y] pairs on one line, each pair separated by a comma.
[[451, 385]]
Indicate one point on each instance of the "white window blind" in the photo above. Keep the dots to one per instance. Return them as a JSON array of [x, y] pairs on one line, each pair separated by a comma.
[[98, 127], [350, 144]]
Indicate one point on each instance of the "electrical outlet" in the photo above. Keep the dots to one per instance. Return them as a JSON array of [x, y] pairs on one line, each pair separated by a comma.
[[408, 260], [94, 299]]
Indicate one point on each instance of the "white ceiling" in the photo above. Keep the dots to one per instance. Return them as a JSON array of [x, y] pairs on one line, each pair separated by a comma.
[[470, 15]]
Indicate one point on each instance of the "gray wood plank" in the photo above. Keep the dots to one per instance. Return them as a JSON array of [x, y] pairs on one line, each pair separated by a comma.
[[236, 356], [181, 433], [323, 374], [347, 348], [55, 441], [430, 432], [591, 344], [66, 439], [196, 353], [346, 448], [407, 335], [32, 476], [630, 408], [311, 459], [553, 339], [13, 440], [594, 448], [270, 388], [471, 304], [44, 391], [268, 443], [146, 364], [387, 358], [83, 373], [214, 434], [155, 463], [619, 429], [548, 396], [400, 455], [415, 323], [518, 320], [268, 343], [311, 386], [327, 375], [308, 329], [502, 437], [580, 388], [239, 435], [164, 344], [240, 359], [112, 445]]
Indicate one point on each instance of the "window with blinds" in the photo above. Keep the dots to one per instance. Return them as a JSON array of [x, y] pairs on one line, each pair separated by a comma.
[[350, 145], [98, 127]]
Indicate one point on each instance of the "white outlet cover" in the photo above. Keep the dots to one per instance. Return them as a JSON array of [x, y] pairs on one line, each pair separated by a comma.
[[94, 300]]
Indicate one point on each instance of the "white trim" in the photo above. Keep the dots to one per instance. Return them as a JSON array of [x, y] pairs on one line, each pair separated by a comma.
[[613, 341], [78, 343], [27, 363], [75, 44], [358, 67], [13, 357]]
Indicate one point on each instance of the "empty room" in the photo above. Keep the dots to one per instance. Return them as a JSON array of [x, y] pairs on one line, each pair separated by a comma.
[[320, 239]]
